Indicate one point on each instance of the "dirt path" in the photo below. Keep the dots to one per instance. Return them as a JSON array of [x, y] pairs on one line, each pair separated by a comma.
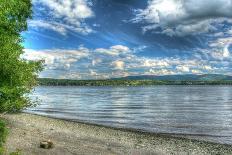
[[26, 131]]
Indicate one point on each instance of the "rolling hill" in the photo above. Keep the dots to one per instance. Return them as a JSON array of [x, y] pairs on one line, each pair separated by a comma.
[[186, 77]]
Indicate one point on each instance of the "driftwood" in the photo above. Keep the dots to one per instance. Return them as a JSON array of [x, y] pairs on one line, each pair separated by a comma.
[[47, 144]]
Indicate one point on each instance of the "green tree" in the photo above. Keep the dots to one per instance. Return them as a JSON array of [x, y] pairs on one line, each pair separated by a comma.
[[17, 76]]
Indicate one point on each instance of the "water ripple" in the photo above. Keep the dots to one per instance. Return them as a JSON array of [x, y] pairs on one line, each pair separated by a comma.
[[195, 111]]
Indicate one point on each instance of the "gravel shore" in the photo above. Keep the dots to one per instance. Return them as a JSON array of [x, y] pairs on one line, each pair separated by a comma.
[[26, 131]]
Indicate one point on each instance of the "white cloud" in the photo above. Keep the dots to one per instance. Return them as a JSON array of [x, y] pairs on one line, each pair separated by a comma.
[[221, 42], [220, 48], [161, 72], [155, 63], [207, 67], [229, 32], [47, 25], [182, 68], [120, 48], [226, 52], [118, 64], [55, 59], [184, 17], [114, 50], [68, 15], [195, 71], [117, 61], [96, 61]]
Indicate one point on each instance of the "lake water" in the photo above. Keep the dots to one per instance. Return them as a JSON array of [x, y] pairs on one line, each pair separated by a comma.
[[202, 112]]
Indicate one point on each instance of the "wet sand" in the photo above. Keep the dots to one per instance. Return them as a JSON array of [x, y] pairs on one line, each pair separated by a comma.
[[26, 131]]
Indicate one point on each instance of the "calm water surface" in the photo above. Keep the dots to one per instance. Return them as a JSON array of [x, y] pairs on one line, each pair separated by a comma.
[[202, 112]]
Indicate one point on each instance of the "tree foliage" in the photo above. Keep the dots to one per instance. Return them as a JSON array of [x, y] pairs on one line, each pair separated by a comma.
[[17, 76], [121, 82]]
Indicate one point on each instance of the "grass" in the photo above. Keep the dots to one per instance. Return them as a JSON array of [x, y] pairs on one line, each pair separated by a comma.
[[3, 133]]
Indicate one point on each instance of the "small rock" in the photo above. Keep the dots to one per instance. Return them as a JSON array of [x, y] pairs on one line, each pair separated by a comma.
[[46, 144], [108, 148]]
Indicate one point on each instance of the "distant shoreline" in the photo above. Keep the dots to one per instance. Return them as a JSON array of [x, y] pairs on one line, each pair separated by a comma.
[[122, 82], [27, 130]]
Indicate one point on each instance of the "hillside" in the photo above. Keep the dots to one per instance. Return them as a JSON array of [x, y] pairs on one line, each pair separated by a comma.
[[209, 79], [186, 77]]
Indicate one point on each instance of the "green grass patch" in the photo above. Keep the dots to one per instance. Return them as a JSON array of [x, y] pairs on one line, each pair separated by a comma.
[[17, 152], [3, 133]]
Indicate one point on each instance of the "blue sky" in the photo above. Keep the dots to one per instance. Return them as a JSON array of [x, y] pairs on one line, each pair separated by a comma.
[[98, 39]]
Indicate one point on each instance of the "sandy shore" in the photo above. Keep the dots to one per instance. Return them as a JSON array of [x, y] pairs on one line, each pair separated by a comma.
[[26, 131]]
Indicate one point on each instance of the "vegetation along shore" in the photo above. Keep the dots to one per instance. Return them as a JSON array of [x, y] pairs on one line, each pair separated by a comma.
[[126, 82]]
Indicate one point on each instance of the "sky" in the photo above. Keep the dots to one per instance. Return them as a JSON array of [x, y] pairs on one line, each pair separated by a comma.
[[101, 39]]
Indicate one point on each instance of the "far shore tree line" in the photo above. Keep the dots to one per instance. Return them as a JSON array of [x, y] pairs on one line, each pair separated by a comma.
[[121, 82]]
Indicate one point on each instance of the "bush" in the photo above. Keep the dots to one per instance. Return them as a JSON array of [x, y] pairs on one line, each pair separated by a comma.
[[2, 135], [17, 76]]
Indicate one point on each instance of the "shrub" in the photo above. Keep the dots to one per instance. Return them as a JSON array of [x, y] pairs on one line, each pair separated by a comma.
[[17, 76], [2, 135]]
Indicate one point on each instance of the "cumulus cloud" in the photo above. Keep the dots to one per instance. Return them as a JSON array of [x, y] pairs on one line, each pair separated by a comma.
[[220, 48], [184, 17], [114, 50], [161, 72], [118, 64], [96, 61], [183, 68], [56, 59], [65, 15], [155, 63], [118, 61]]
